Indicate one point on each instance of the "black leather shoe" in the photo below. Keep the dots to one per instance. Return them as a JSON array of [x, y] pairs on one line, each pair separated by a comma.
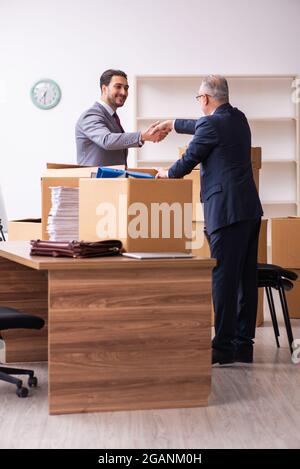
[[244, 354], [222, 357]]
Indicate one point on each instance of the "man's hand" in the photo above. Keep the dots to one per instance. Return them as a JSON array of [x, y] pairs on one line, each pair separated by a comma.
[[165, 126], [162, 174], [154, 133]]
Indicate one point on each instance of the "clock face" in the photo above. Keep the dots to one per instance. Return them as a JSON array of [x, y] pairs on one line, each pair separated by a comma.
[[45, 94]]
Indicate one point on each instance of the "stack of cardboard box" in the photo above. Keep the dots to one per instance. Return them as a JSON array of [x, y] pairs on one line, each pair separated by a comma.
[[144, 205], [200, 246], [285, 235], [22, 230], [95, 193], [68, 175]]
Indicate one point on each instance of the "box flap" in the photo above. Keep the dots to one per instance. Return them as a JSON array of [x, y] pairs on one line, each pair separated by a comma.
[[26, 220]]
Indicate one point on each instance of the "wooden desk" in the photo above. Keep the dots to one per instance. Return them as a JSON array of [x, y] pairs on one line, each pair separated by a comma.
[[123, 334]]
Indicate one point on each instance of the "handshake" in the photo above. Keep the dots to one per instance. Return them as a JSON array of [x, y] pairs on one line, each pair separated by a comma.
[[157, 131]]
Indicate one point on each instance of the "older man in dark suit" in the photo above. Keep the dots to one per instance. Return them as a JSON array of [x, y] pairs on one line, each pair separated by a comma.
[[232, 213]]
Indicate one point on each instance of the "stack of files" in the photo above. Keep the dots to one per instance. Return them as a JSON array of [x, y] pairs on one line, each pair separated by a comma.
[[63, 219]]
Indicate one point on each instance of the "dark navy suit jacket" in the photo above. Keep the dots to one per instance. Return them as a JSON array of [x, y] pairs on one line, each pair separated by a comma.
[[222, 144]]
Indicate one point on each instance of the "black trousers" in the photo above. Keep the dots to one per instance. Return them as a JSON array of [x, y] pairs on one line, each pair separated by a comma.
[[234, 283]]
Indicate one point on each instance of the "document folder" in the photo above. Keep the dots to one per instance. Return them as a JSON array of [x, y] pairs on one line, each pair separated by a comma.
[[76, 249], [110, 173], [115, 173]]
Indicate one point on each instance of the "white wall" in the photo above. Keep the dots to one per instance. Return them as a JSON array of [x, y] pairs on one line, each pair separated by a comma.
[[74, 41]]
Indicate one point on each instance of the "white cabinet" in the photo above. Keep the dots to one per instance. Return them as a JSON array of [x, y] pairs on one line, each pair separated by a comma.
[[273, 118]]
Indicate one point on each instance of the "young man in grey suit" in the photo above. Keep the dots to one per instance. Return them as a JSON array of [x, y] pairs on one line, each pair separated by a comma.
[[100, 137]]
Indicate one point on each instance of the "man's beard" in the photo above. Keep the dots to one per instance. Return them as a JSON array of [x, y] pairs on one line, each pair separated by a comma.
[[114, 102]]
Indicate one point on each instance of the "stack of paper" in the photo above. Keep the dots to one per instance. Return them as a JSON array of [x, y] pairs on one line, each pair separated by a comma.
[[63, 219]]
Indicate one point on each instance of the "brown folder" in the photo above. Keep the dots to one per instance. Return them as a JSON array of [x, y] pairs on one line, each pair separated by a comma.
[[77, 249]]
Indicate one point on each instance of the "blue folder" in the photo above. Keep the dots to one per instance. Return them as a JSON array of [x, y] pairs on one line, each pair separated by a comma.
[[109, 173], [115, 173], [139, 175]]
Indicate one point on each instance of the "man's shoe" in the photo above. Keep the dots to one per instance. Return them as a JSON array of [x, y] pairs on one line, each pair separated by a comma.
[[222, 357], [244, 354]]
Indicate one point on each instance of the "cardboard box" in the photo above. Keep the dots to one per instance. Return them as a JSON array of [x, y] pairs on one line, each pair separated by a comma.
[[256, 164], [200, 244], [293, 298], [201, 248], [262, 258], [195, 177], [285, 235], [256, 158], [63, 175], [64, 166], [70, 172], [24, 230], [256, 178], [59, 174], [130, 210]]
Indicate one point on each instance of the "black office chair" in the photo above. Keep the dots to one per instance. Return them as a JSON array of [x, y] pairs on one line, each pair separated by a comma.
[[2, 237], [11, 318], [273, 276]]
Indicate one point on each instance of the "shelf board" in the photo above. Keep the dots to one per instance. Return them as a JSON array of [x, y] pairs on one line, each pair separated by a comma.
[[154, 119], [279, 202], [279, 160], [156, 162], [272, 119], [263, 118], [170, 160], [250, 119], [268, 76]]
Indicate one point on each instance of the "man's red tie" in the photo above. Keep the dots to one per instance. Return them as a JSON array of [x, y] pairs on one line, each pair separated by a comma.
[[116, 117]]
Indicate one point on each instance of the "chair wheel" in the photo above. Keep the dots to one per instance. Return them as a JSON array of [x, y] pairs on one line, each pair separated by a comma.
[[22, 392], [32, 382]]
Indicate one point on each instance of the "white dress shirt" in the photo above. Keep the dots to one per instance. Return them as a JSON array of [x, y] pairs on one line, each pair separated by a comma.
[[107, 107], [111, 112]]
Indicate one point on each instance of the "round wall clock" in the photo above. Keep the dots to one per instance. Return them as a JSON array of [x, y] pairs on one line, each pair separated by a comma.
[[45, 94]]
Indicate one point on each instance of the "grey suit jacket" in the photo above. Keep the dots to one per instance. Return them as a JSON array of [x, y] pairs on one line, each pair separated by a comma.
[[99, 139]]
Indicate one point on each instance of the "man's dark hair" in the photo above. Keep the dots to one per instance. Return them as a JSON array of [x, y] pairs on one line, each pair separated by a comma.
[[108, 74]]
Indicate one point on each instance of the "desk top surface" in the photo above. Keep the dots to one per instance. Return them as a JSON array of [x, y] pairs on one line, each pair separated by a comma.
[[19, 251]]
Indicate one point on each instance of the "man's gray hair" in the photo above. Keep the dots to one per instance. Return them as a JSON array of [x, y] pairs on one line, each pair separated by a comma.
[[216, 86]]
